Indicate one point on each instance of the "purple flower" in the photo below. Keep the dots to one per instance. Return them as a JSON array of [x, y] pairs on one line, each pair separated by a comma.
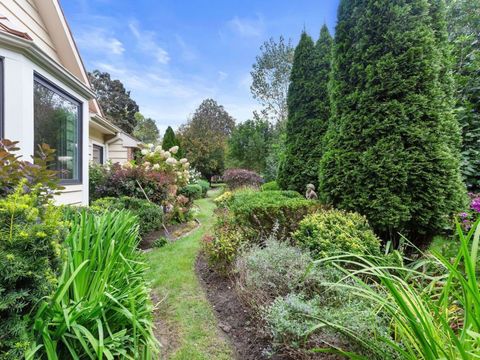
[[463, 215], [476, 204]]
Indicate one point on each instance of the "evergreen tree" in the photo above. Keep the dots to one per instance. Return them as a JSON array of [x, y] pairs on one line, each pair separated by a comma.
[[308, 112], [392, 139], [169, 139]]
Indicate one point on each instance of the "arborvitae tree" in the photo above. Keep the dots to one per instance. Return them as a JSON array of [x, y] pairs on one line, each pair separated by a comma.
[[464, 34], [169, 139], [308, 112], [392, 139]]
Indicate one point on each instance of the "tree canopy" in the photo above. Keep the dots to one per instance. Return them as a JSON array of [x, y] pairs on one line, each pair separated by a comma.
[[204, 137], [114, 100], [146, 129]]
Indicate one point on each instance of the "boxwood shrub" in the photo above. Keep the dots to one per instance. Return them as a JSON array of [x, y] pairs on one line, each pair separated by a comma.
[[271, 185], [149, 215], [205, 186], [262, 212], [331, 232], [192, 191]]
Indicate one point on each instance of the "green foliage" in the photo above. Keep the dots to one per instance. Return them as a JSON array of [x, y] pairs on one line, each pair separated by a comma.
[[204, 138], [30, 236], [270, 78], [248, 146], [257, 213], [393, 143], [146, 129], [101, 307], [433, 316], [331, 232], [170, 140], [308, 112], [205, 186], [265, 273], [223, 246], [160, 242], [464, 32], [14, 171], [97, 177], [192, 191], [148, 214], [114, 100], [271, 185]]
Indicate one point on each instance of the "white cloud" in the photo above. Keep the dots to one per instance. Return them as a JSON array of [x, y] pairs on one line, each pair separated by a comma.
[[146, 42], [222, 75], [187, 51], [98, 39], [247, 27]]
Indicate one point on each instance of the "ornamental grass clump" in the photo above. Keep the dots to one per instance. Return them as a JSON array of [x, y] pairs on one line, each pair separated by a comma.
[[101, 306], [432, 316]]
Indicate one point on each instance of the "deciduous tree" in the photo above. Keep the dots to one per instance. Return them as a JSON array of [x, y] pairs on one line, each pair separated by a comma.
[[146, 129]]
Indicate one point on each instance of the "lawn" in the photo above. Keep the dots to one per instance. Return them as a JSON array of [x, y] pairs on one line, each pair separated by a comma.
[[185, 307]]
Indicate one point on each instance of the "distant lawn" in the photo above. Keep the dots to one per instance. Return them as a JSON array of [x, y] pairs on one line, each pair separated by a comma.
[[185, 307]]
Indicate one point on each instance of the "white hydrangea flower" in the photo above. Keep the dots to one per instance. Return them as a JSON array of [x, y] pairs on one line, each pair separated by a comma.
[[158, 149], [186, 165], [171, 161], [174, 149], [183, 161], [144, 151], [156, 167], [167, 154]]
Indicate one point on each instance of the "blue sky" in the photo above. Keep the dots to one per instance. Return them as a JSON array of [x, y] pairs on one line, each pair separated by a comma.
[[173, 54]]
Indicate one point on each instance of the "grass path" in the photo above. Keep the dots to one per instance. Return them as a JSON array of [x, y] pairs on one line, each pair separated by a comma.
[[185, 308]]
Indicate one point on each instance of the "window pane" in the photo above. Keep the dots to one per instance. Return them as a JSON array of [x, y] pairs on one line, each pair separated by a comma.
[[97, 154], [57, 124]]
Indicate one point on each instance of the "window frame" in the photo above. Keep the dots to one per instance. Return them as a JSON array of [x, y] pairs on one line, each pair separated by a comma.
[[2, 97], [42, 80], [102, 152]]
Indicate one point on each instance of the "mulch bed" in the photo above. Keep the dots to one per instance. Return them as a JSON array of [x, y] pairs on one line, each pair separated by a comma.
[[173, 233], [243, 332]]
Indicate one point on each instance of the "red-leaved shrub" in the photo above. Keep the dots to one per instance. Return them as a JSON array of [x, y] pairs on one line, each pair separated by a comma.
[[236, 178]]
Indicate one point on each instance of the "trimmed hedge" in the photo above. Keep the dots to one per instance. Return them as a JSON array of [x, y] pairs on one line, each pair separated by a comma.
[[205, 186], [260, 213], [271, 185]]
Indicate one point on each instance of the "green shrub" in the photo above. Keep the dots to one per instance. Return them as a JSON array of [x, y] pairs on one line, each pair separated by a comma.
[[331, 232], [292, 322], [192, 191], [101, 306], [30, 233], [160, 242], [149, 215], [265, 273], [271, 185], [259, 212], [222, 247], [97, 179], [205, 186]]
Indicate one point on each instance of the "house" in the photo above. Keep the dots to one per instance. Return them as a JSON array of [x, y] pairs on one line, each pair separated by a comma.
[[46, 97]]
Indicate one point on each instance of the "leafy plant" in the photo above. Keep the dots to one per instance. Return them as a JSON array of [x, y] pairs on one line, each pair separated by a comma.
[[160, 242], [101, 307], [205, 186], [30, 251], [192, 191], [271, 185], [437, 319], [331, 232], [36, 174], [237, 178], [149, 215]]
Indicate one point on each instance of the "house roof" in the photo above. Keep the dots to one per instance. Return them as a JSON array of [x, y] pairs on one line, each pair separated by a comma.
[[10, 28]]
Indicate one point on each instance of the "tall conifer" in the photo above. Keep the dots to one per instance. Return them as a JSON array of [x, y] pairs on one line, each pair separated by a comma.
[[392, 140], [308, 112]]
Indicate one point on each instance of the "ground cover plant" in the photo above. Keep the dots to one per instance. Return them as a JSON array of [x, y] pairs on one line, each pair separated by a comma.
[[101, 306]]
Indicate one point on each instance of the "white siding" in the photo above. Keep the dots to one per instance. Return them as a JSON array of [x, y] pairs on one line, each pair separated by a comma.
[[19, 75], [117, 153], [96, 137], [25, 15]]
